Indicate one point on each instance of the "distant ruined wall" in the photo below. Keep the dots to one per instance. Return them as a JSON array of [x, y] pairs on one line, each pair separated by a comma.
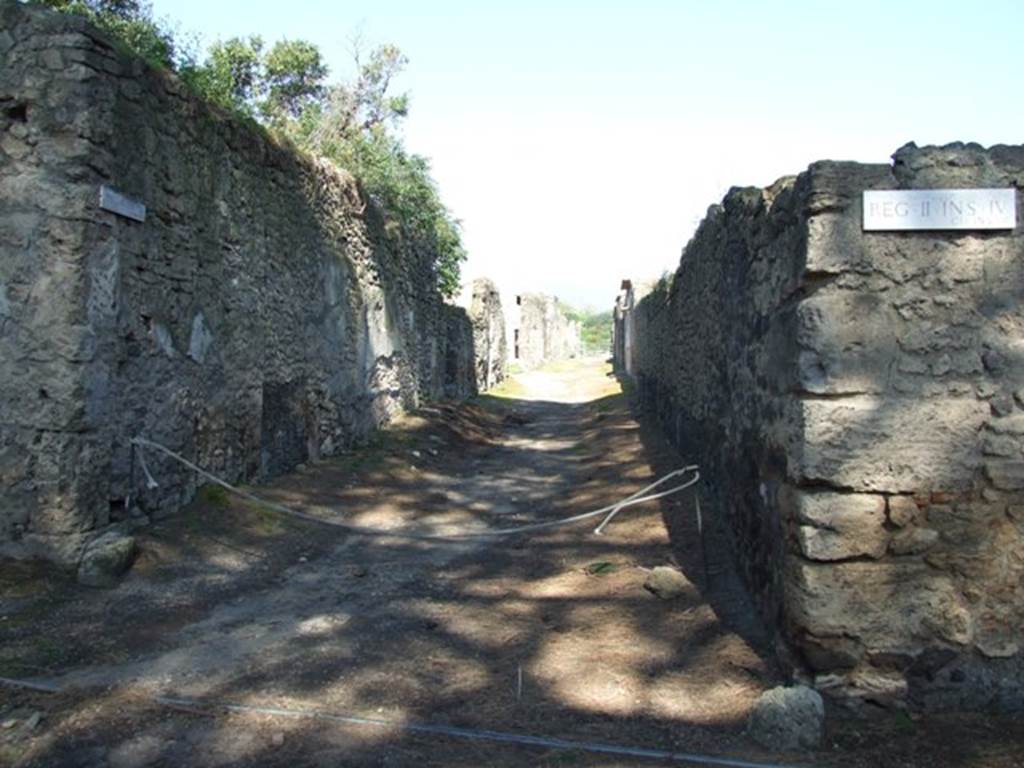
[[489, 339], [544, 333], [856, 403], [624, 329], [259, 317]]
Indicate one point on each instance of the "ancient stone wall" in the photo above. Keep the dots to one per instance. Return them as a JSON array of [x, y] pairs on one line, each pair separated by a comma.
[[543, 332], [856, 403], [489, 340], [624, 331], [261, 315]]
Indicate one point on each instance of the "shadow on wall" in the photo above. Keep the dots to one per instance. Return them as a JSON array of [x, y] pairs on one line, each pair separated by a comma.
[[852, 397], [422, 633], [262, 314]]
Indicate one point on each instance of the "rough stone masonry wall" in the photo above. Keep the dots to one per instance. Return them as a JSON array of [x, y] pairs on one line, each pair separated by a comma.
[[545, 333], [260, 316], [856, 403], [489, 342]]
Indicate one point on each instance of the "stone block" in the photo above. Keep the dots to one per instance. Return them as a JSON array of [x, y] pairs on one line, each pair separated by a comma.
[[1001, 404], [902, 510], [834, 243], [913, 541], [885, 606], [838, 526], [787, 718], [951, 166], [1011, 425], [847, 342], [1005, 474], [828, 654], [1006, 446], [881, 686], [888, 444], [105, 559]]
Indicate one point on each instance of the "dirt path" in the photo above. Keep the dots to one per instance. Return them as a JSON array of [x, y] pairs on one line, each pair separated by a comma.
[[550, 634]]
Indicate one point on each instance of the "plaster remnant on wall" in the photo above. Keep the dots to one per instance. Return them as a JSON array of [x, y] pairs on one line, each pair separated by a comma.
[[200, 340], [163, 339]]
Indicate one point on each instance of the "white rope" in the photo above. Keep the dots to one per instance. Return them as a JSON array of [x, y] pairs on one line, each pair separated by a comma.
[[458, 732], [199, 706], [641, 496]]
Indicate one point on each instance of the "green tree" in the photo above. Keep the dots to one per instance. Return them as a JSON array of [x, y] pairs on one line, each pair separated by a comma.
[[130, 23], [294, 74], [358, 108], [351, 122], [232, 75], [595, 327], [373, 104], [401, 183], [353, 126]]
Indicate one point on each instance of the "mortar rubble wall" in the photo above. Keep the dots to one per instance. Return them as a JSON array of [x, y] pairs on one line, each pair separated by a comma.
[[264, 314], [855, 401]]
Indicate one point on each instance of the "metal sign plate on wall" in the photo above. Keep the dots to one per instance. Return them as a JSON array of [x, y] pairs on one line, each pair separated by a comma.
[[113, 201], [903, 209]]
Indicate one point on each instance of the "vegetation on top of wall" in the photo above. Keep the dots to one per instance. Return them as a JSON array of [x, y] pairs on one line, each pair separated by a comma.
[[284, 88], [131, 24]]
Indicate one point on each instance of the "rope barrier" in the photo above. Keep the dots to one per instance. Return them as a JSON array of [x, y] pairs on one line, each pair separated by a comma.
[[475, 734], [643, 495], [640, 497], [432, 729]]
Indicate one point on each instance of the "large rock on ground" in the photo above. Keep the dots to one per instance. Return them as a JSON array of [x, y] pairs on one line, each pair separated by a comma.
[[787, 718], [105, 559], [667, 583]]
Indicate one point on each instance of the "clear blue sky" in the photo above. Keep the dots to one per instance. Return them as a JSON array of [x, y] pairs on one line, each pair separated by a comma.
[[581, 143]]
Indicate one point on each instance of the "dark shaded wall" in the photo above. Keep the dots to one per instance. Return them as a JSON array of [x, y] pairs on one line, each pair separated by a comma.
[[261, 315], [855, 401]]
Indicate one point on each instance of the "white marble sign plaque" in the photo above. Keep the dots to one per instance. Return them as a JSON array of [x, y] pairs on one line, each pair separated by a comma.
[[902, 209], [113, 201]]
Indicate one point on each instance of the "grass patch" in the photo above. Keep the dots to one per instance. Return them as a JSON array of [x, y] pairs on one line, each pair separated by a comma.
[[569, 757], [903, 722], [266, 522], [215, 495], [43, 655], [491, 403], [510, 389], [11, 753], [608, 404]]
